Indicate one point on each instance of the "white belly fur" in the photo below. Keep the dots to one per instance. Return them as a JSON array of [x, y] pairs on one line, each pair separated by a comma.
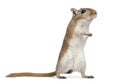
[[74, 58]]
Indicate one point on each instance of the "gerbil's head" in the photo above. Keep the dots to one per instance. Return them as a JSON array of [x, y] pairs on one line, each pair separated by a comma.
[[84, 13]]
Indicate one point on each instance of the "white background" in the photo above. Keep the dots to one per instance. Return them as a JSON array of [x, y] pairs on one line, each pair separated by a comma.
[[32, 31]]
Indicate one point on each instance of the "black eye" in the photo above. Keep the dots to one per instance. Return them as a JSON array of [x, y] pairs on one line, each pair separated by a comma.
[[83, 11]]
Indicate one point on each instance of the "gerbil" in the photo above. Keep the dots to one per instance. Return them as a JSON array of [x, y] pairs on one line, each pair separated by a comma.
[[71, 57]]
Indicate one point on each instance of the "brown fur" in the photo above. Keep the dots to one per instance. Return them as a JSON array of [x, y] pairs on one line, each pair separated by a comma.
[[32, 74], [68, 36]]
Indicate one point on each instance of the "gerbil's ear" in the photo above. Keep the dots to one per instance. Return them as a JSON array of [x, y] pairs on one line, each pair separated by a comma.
[[74, 11]]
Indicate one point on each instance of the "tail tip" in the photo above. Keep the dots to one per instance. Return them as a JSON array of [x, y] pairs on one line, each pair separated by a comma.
[[11, 75], [8, 76]]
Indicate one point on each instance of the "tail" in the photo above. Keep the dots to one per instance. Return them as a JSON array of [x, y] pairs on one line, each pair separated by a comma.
[[32, 74]]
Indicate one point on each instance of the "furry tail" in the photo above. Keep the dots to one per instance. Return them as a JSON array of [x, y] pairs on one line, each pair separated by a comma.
[[32, 74]]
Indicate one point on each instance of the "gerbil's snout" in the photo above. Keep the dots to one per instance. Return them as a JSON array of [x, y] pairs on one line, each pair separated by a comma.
[[94, 12]]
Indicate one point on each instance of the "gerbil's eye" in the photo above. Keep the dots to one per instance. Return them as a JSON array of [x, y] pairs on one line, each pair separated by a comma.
[[83, 11]]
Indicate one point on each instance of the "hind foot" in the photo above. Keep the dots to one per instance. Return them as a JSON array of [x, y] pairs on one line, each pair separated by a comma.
[[62, 77], [87, 76]]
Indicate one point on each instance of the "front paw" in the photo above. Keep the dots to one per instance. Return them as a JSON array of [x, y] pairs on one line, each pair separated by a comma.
[[90, 34]]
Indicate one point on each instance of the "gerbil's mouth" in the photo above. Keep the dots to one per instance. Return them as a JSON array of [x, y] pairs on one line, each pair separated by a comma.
[[92, 17], [95, 16]]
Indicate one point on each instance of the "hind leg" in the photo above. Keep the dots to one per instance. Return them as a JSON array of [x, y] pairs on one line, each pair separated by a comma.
[[65, 65], [82, 71], [81, 67], [60, 77], [63, 69], [86, 76], [60, 69]]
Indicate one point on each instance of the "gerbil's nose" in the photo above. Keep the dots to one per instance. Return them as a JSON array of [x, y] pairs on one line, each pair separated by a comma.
[[95, 12]]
